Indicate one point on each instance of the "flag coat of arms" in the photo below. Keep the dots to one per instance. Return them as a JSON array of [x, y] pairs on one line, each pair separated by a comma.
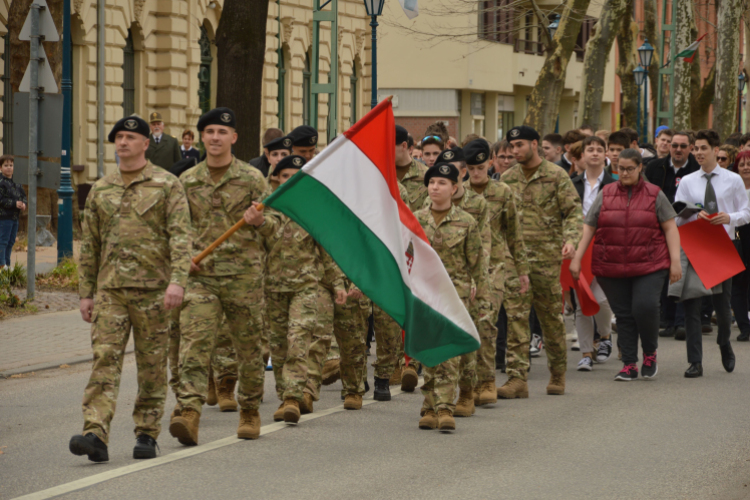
[[347, 198]]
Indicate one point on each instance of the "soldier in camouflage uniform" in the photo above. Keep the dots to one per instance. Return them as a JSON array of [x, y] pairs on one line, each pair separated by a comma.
[[228, 282], [506, 239], [133, 268], [551, 219], [455, 236]]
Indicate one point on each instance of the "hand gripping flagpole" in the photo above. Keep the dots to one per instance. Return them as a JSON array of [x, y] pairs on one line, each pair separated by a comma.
[[221, 239]]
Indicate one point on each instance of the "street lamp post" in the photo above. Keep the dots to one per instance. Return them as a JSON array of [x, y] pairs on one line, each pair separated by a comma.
[[741, 88], [640, 78], [645, 54], [65, 192], [374, 8]]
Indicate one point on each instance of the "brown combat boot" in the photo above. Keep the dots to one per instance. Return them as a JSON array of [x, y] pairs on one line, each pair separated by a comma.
[[409, 379], [465, 405], [353, 402], [176, 412], [556, 386], [185, 427], [331, 372], [226, 394], [446, 421], [477, 391], [249, 424], [278, 415], [396, 377], [429, 420], [211, 399], [514, 388], [487, 393], [306, 406], [291, 411]]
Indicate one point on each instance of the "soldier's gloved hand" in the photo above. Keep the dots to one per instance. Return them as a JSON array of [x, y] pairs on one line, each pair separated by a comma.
[[568, 251], [524, 283], [341, 297], [87, 308], [173, 296]]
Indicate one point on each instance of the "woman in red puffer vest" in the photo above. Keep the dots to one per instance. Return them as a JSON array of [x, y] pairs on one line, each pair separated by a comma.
[[637, 244]]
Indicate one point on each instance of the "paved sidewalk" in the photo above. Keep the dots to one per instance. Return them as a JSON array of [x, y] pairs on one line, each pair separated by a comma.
[[39, 342]]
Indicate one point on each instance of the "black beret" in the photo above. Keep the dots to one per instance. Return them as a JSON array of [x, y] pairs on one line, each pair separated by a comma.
[[304, 136], [279, 143], [131, 124], [477, 152], [523, 132], [445, 170], [449, 155], [217, 116], [291, 161], [402, 135]]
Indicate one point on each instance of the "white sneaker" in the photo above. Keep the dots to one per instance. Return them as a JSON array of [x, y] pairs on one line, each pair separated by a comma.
[[585, 365], [605, 351], [576, 346], [535, 349]]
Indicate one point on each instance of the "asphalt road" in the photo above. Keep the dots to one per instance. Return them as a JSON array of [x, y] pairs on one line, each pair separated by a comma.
[[667, 438]]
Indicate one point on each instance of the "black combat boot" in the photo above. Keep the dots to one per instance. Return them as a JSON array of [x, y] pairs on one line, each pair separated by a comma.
[[145, 447], [90, 445], [382, 390]]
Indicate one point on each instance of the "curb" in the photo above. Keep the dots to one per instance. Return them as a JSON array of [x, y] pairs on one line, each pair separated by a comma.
[[51, 365]]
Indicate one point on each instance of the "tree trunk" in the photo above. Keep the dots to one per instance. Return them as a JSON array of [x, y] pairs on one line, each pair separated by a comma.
[[727, 68], [595, 62], [241, 47], [626, 50], [683, 36], [654, 37], [545, 98], [702, 98], [746, 27]]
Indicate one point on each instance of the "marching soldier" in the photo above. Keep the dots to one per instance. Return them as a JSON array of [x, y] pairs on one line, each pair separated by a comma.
[[551, 219], [133, 268], [228, 283]]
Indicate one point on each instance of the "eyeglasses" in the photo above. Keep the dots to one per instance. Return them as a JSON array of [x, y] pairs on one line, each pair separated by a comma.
[[722, 158], [680, 146], [628, 170]]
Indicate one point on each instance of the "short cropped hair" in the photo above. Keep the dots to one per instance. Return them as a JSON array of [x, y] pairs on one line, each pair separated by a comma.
[[189, 133], [620, 138], [710, 136], [272, 134], [572, 136], [554, 139], [592, 139]]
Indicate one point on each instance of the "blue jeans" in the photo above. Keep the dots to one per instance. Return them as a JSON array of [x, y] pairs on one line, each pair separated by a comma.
[[8, 231]]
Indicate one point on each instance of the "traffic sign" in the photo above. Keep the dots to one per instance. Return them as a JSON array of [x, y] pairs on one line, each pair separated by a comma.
[[47, 27], [46, 78], [49, 133]]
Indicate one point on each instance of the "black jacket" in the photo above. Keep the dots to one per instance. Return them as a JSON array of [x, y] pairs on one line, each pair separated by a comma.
[[10, 193], [578, 181], [661, 173], [261, 163]]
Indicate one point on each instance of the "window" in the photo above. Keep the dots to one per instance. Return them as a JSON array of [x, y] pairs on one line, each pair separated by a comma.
[[353, 95], [204, 74], [306, 91], [587, 31], [496, 21], [128, 76]]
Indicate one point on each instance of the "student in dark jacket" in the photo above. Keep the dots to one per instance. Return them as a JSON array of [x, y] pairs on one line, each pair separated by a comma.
[[187, 150], [12, 202], [666, 172]]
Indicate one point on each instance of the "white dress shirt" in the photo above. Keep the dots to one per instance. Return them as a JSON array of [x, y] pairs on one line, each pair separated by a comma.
[[590, 192], [730, 196]]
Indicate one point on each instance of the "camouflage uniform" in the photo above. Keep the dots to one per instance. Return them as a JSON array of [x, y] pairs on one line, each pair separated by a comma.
[[295, 261], [320, 344], [550, 215], [229, 283], [413, 181], [458, 242], [135, 242], [506, 239], [350, 331]]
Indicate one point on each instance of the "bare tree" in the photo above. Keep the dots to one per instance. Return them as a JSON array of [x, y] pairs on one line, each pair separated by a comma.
[[684, 34], [241, 47], [727, 67], [626, 49]]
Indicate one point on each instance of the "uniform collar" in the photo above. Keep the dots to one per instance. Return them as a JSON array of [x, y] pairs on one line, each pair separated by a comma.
[[148, 173], [202, 174], [451, 216], [413, 171]]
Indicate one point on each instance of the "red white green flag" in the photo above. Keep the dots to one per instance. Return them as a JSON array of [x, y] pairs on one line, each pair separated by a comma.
[[347, 198], [688, 54]]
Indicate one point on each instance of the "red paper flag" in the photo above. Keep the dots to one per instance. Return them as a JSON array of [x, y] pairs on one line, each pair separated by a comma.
[[589, 305], [710, 251]]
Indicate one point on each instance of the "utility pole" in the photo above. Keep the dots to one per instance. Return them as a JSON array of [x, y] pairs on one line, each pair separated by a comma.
[[33, 149], [65, 193]]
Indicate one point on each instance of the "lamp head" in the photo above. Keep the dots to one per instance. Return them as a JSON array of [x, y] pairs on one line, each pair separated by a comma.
[[645, 53], [374, 7], [640, 75]]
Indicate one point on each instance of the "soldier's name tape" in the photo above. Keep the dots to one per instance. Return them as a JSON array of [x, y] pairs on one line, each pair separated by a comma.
[[86, 482]]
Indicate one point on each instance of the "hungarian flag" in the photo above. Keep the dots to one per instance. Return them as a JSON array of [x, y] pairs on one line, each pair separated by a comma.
[[688, 54], [347, 198]]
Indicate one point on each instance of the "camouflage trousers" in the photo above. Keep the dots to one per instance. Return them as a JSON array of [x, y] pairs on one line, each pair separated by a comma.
[[350, 332], [320, 343], [116, 311], [291, 320], [545, 293], [333, 352], [207, 301], [389, 347], [485, 319], [439, 388]]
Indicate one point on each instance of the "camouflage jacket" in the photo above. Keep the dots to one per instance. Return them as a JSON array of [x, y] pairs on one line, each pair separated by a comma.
[[549, 209], [507, 237], [459, 245], [135, 236], [214, 208], [295, 260], [403, 193], [413, 181]]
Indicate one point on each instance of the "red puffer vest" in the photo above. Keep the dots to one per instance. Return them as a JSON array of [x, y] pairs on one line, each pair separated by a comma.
[[629, 239]]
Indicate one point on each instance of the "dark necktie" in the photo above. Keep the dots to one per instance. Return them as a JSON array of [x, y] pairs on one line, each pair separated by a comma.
[[709, 201]]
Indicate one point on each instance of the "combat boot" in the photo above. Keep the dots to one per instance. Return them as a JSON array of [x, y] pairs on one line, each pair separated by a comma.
[[477, 391], [306, 406], [176, 412], [446, 421], [429, 420], [513, 388], [291, 411], [465, 405], [353, 402], [211, 399], [226, 394], [278, 415], [382, 390], [396, 377], [185, 427], [89, 445], [331, 372], [249, 424], [487, 393], [556, 386], [409, 379]]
